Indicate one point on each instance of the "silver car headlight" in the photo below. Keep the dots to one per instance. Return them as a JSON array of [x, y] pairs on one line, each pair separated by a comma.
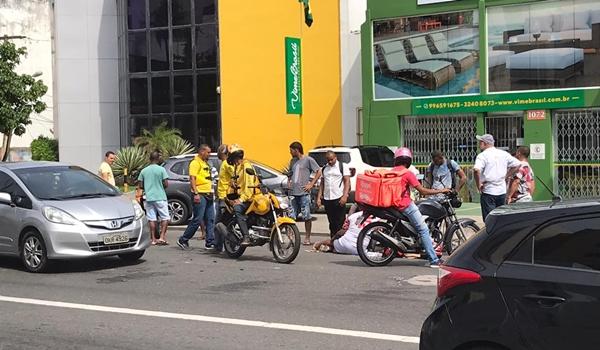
[[137, 208], [58, 216]]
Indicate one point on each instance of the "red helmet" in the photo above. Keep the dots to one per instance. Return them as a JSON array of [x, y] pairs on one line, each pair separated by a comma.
[[403, 152]]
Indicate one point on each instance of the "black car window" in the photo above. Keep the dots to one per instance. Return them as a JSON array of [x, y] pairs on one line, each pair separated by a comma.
[[320, 158], [574, 244], [524, 253], [181, 168], [377, 156], [18, 196]]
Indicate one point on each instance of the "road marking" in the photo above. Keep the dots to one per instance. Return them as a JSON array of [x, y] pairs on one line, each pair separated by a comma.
[[210, 319], [423, 280]]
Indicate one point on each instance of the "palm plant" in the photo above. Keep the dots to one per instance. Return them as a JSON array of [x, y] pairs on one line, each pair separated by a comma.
[[175, 147], [134, 159], [156, 139]]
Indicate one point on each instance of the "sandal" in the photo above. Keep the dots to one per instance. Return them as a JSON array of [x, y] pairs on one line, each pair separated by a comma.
[[307, 243], [162, 242], [154, 243]]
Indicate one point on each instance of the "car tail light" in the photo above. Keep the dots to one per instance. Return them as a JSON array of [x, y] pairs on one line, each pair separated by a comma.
[[352, 172], [450, 277]]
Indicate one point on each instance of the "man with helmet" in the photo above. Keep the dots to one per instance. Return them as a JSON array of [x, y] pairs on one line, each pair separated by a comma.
[[223, 185], [242, 188], [402, 162]]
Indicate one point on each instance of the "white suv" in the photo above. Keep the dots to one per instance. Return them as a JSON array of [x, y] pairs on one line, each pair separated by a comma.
[[358, 158]]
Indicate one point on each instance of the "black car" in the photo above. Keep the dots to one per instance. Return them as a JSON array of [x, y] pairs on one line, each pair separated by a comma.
[[178, 191], [529, 280]]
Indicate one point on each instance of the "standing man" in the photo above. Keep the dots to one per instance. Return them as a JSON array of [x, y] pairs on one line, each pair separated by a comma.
[[442, 173], [105, 170], [300, 169], [492, 169], [202, 194], [153, 181], [522, 185], [334, 190]]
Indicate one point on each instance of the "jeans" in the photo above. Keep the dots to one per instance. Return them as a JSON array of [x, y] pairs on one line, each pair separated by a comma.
[[490, 202], [336, 215], [240, 216], [301, 207], [203, 211], [416, 219]]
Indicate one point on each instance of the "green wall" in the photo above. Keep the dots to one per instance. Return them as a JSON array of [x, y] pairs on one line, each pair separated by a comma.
[[382, 118]]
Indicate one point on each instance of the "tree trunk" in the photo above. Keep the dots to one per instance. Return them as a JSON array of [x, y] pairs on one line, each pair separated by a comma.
[[6, 146]]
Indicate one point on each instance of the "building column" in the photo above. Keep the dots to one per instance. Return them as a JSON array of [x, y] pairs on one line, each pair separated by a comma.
[[539, 132]]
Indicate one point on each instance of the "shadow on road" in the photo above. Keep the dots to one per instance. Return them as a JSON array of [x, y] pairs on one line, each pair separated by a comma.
[[73, 266], [395, 262]]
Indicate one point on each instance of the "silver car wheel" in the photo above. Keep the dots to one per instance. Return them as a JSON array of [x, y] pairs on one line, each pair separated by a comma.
[[176, 210], [33, 252]]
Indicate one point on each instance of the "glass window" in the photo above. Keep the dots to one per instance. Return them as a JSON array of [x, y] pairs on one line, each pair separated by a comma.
[[138, 96], [137, 52], [183, 93], [18, 196], [187, 125], [524, 252], [208, 129], [205, 11], [263, 174], [181, 10], [181, 168], [206, 49], [136, 14], [64, 182], [161, 93], [574, 244], [159, 50], [138, 124], [320, 158], [207, 92], [159, 13], [182, 48], [161, 120]]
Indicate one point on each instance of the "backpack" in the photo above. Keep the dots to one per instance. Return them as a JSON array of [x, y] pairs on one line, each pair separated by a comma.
[[341, 165], [453, 171]]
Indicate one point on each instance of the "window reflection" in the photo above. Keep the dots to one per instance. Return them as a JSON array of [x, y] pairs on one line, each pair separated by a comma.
[[138, 96], [161, 93], [182, 48], [206, 50], [205, 11], [137, 52], [183, 93], [181, 12], [159, 13], [207, 92], [136, 14], [159, 49]]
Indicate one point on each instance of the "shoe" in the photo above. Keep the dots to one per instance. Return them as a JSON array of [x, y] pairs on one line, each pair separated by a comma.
[[246, 242], [436, 265], [183, 245], [209, 247]]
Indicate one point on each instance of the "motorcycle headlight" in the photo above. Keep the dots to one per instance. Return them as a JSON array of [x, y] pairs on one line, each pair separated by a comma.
[[137, 208], [58, 216]]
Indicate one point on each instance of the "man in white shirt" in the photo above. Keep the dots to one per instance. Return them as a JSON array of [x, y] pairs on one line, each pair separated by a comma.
[[333, 192], [492, 169]]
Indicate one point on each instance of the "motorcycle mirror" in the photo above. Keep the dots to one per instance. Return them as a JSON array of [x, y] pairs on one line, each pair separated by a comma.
[[250, 171], [420, 177]]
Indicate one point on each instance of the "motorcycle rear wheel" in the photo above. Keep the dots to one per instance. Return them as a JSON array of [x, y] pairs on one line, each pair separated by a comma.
[[285, 252], [232, 244], [371, 252]]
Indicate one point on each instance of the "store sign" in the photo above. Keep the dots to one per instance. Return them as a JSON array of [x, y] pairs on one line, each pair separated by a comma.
[[427, 2], [293, 76], [499, 102], [538, 151], [536, 115]]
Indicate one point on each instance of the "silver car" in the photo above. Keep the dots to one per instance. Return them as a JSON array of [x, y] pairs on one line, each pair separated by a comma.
[[55, 211]]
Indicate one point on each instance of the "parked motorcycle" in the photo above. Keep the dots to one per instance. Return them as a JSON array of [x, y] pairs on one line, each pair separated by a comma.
[[268, 222], [380, 242]]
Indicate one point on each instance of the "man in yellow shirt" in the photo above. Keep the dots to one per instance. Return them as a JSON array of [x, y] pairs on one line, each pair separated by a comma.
[[203, 199], [241, 185], [105, 170], [225, 175]]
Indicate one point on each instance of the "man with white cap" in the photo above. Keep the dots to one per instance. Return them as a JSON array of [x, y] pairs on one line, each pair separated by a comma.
[[492, 169]]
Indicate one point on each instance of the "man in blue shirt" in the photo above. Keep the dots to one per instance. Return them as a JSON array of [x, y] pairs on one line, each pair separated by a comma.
[[153, 180]]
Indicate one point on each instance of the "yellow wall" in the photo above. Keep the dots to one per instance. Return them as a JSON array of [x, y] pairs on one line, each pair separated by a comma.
[[253, 76]]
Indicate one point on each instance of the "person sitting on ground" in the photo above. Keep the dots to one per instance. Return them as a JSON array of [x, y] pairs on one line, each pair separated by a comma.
[[344, 241]]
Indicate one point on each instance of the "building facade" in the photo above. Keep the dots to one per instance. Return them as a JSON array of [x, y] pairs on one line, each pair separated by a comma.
[[436, 75]]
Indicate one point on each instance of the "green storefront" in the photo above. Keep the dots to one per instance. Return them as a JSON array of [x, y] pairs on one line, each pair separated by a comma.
[[437, 74]]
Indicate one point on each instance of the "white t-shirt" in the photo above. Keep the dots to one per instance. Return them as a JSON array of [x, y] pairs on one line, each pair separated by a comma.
[[333, 180], [493, 165], [347, 243]]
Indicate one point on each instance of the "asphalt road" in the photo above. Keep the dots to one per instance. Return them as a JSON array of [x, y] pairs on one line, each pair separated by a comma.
[[318, 290]]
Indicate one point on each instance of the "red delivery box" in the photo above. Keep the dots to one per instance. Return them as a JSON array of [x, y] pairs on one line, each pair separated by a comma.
[[379, 188]]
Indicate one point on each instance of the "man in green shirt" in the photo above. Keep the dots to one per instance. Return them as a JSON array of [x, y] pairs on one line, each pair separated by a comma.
[[153, 180]]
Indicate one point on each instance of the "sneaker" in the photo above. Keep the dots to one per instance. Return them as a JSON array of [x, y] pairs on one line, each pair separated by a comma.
[[209, 247], [436, 264], [183, 245]]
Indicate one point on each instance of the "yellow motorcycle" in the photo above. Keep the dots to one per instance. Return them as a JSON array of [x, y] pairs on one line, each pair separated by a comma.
[[268, 222]]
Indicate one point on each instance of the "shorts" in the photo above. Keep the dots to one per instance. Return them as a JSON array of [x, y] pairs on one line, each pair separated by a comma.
[[301, 207], [158, 209]]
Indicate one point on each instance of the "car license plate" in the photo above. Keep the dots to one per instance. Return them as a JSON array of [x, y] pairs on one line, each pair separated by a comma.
[[116, 238]]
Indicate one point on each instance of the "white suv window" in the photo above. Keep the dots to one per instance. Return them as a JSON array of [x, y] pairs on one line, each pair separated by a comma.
[[319, 157]]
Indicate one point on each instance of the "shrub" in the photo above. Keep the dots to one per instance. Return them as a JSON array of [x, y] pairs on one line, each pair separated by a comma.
[[44, 148], [176, 146], [134, 159]]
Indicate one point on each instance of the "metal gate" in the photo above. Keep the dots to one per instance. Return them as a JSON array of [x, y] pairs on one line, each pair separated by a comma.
[[507, 129], [577, 153], [452, 134]]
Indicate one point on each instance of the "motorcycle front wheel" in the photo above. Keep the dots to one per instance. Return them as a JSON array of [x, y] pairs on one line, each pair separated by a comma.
[[456, 238], [371, 251], [287, 250], [232, 243]]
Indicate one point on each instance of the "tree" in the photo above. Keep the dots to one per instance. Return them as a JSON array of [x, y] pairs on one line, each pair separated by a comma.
[[20, 95], [166, 140]]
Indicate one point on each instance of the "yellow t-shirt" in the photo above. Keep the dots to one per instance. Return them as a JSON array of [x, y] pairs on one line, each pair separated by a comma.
[[225, 175], [106, 169], [201, 171], [245, 180]]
